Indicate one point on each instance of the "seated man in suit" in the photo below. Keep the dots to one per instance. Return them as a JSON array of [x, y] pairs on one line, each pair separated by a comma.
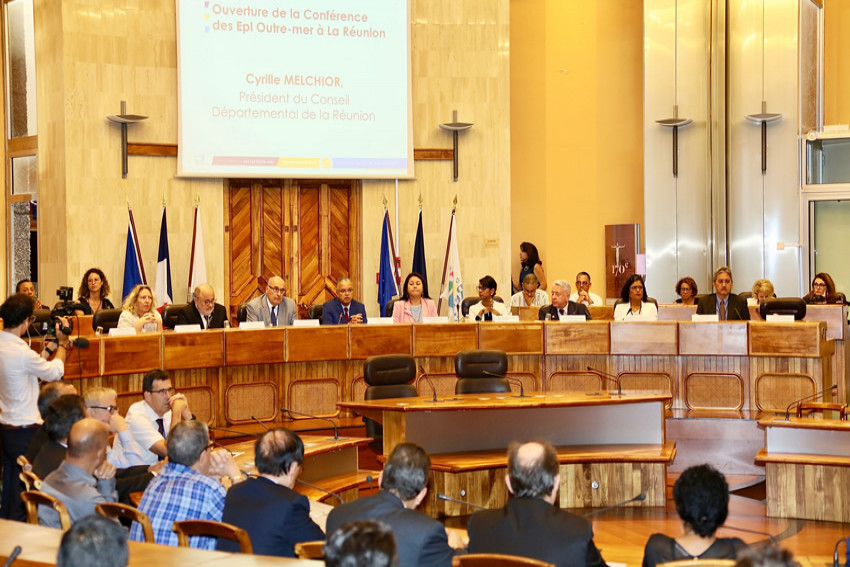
[[727, 305], [343, 309], [61, 415], [85, 478], [273, 308], [366, 543], [561, 305], [203, 310], [48, 393], [531, 525], [274, 515], [420, 539]]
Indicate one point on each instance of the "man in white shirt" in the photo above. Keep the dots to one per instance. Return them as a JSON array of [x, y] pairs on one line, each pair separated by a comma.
[[102, 405], [583, 295], [151, 419], [20, 370], [531, 295]]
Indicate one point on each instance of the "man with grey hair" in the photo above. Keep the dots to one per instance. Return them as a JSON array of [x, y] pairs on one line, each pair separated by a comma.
[[343, 309], [272, 308], [203, 310], [561, 305], [188, 487], [727, 305]]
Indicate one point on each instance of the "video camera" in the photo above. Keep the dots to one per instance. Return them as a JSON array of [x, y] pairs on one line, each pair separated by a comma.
[[65, 308]]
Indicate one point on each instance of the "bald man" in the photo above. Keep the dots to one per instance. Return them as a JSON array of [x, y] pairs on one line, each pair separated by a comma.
[[85, 478], [531, 525], [203, 310], [273, 308]]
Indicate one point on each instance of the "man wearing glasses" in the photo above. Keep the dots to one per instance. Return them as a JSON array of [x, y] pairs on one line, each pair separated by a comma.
[[152, 419], [343, 309], [274, 308], [102, 405], [203, 310], [583, 295]]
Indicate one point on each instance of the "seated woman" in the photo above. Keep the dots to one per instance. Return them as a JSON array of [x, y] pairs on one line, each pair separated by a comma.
[[635, 303], [762, 290], [702, 501], [823, 291], [92, 293], [686, 289], [414, 303], [139, 312], [530, 263], [485, 309]]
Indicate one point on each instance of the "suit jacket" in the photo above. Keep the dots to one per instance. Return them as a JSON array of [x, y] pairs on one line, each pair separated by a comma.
[[573, 308], [736, 307], [258, 310], [276, 517], [189, 315], [48, 459], [332, 311], [421, 540], [531, 527]]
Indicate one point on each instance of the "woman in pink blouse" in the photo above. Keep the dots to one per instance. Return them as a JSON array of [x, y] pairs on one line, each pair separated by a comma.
[[414, 303]]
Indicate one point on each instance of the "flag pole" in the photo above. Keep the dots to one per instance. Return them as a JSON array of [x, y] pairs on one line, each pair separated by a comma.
[[192, 256], [446, 260], [138, 252]]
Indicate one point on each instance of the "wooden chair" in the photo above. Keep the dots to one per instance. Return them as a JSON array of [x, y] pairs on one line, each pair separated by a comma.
[[699, 563], [208, 528], [496, 560], [24, 463], [809, 408], [310, 549], [30, 480], [33, 499], [116, 510]]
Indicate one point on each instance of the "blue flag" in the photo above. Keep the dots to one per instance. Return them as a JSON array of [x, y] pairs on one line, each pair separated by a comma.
[[162, 287], [419, 253], [132, 262], [387, 287]]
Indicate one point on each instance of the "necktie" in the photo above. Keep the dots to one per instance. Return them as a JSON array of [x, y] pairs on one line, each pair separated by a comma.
[[160, 425], [722, 310], [561, 312], [207, 319], [274, 316], [347, 319]]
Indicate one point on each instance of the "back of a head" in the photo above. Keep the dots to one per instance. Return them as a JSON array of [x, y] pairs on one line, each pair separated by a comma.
[[406, 471], [64, 412], [87, 439], [765, 556], [702, 499], [366, 543], [532, 468], [93, 540], [186, 441], [277, 450], [16, 309], [50, 392]]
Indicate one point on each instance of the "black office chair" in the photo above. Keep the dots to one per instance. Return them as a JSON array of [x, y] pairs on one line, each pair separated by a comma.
[[470, 301], [648, 299], [242, 313], [315, 311], [746, 294], [106, 319], [387, 376], [388, 312], [783, 306], [481, 372], [169, 315]]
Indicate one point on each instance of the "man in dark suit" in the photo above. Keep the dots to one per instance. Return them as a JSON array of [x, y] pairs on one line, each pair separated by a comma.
[[561, 304], [420, 539], [727, 305], [63, 413], [343, 309], [530, 525], [274, 515], [203, 310]]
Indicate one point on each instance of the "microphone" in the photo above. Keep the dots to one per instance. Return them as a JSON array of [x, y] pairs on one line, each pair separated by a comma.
[[240, 433], [835, 562], [424, 374], [80, 342], [639, 498], [745, 530], [807, 398], [254, 417], [320, 489], [17, 551], [610, 377], [332, 422], [441, 496], [509, 379]]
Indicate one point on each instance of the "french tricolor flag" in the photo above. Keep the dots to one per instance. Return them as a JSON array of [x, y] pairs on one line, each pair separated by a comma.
[[162, 287]]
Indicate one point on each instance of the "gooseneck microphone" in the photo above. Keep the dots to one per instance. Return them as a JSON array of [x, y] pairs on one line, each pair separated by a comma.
[[254, 417], [240, 433], [441, 496], [17, 551], [835, 562], [320, 489], [807, 398], [332, 422], [510, 379], [423, 374], [609, 377], [639, 498], [746, 531]]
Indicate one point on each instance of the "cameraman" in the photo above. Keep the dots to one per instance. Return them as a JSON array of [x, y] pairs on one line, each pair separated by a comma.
[[20, 371]]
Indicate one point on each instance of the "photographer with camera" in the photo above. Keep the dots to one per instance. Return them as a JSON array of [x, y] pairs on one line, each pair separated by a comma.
[[20, 370]]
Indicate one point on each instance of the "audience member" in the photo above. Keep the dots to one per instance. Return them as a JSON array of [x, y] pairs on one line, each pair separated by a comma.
[[762, 290], [188, 487], [151, 419], [488, 307], [635, 302], [94, 540], [274, 515], [61, 415], [583, 295], [823, 291], [766, 556], [27, 287], [530, 263], [531, 525], [365, 543], [414, 303], [702, 501], [93, 292], [273, 308], [561, 305], [531, 295], [343, 308], [85, 478], [49, 393], [687, 290], [420, 539], [727, 305], [203, 310], [138, 311]]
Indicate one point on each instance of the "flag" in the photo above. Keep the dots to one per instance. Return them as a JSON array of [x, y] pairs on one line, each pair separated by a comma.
[[387, 287], [452, 284], [162, 287], [198, 260], [133, 268], [419, 253]]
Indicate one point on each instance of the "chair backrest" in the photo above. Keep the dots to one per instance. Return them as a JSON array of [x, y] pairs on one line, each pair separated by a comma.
[[496, 560], [24, 463], [115, 510], [315, 311], [481, 363], [745, 294], [466, 304], [389, 369], [30, 480], [208, 528], [33, 499], [648, 300], [388, 312], [310, 549], [699, 563], [106, 319], [169, 314], [242, 313], [783, 306], [820, 407]]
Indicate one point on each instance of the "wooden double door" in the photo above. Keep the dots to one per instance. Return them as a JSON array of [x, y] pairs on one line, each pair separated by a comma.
[[306, 231]]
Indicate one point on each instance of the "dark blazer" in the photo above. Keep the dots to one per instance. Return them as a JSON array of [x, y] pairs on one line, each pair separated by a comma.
[[332, 311], [39, 439], [189, 315], [420, 540], [736, 307], [276, 517], [48, 459], [573, 308], [531, 527]]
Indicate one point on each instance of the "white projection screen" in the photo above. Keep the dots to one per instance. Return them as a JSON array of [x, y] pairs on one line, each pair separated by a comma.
[[295, 89]]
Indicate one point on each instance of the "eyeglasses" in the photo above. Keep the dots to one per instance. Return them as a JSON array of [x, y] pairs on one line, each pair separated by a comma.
[[636, 288], [110, 409], [818, 284], [482, 288], [276, 290], [208, 301], [581, 284], [167, 391]]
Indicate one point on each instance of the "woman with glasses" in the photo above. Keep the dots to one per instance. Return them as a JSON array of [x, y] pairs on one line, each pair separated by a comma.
[[635, 303], [139, 312], [488, 307], [93, 291], [686, 289], [414, 304], [823, 291]]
